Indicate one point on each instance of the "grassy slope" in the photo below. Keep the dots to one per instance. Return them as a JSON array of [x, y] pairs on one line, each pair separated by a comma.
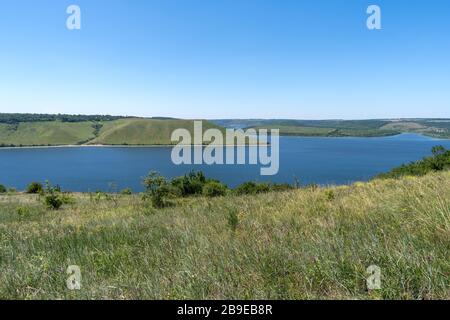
[[157, 131], [328, 132], [433, 128], [356, 128], [46, 133], [309, 243], [297, 130], [117, 132], [143, 131]]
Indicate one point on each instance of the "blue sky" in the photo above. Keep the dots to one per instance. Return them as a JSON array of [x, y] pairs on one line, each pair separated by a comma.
[[304, 59]]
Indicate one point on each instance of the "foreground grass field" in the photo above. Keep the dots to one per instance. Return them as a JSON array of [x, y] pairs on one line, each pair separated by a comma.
[[303, 244]]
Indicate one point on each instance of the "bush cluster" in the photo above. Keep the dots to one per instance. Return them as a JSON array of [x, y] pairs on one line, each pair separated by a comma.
[[440, 160], [252, 188], [161, 191], [35, 188]]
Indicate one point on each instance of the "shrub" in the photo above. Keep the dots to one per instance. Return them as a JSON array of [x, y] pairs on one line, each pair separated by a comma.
[[160, 197], [153, 181], [2, 189], [53, 198], [283, 187], [96, 196], [329, 195], [252, 188], [53, 201], [34, 188], [246, 188], [214, 189], [438, 162], [190, 184], [159, 190], [126, 191]]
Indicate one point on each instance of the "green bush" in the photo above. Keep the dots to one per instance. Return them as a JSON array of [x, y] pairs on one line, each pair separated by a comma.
[[252, 188], [35, 188], [126, 191], [2, 189], [160, 197], [53, 198], [329, 195], [53, 201], [283, 187], [159, 190], [214, 189], [154, 181], [440, 160], [190, 184]]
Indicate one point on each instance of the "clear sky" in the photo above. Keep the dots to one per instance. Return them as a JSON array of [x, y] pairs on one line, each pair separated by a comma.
[[304, 59]]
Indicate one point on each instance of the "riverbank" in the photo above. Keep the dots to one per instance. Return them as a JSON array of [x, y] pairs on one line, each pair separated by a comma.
[[124, 146]]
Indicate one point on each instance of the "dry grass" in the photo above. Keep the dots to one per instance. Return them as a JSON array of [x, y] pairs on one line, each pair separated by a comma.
[[303, 244]]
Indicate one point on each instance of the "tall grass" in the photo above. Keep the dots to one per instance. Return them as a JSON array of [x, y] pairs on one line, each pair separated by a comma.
[[313, 243]]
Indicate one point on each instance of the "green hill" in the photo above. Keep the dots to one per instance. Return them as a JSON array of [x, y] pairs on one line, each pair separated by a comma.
[[54, 130], [45, 133], [439, 128], [129, 131], [143, 131]]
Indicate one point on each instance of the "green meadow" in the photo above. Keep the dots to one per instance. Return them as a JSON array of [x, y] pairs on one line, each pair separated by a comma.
[[45, 133], [143, 131], [307, 243]]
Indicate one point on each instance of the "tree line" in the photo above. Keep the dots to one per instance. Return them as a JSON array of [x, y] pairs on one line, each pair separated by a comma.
[[14, 118]]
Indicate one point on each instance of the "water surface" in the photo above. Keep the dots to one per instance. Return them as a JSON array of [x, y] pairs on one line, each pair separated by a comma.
[[310, 159]]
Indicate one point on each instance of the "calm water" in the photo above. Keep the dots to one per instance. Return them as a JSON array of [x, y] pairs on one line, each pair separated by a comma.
[[312, 160]]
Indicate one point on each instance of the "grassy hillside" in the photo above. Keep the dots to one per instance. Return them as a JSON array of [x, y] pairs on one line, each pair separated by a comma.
[[327, 132], [143, 131], [130, 131], [45, 133], [301, 244], [439, 128], [45, 130]]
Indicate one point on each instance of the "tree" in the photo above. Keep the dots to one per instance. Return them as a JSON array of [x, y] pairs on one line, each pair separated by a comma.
[[35, 188], [158, 189]]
